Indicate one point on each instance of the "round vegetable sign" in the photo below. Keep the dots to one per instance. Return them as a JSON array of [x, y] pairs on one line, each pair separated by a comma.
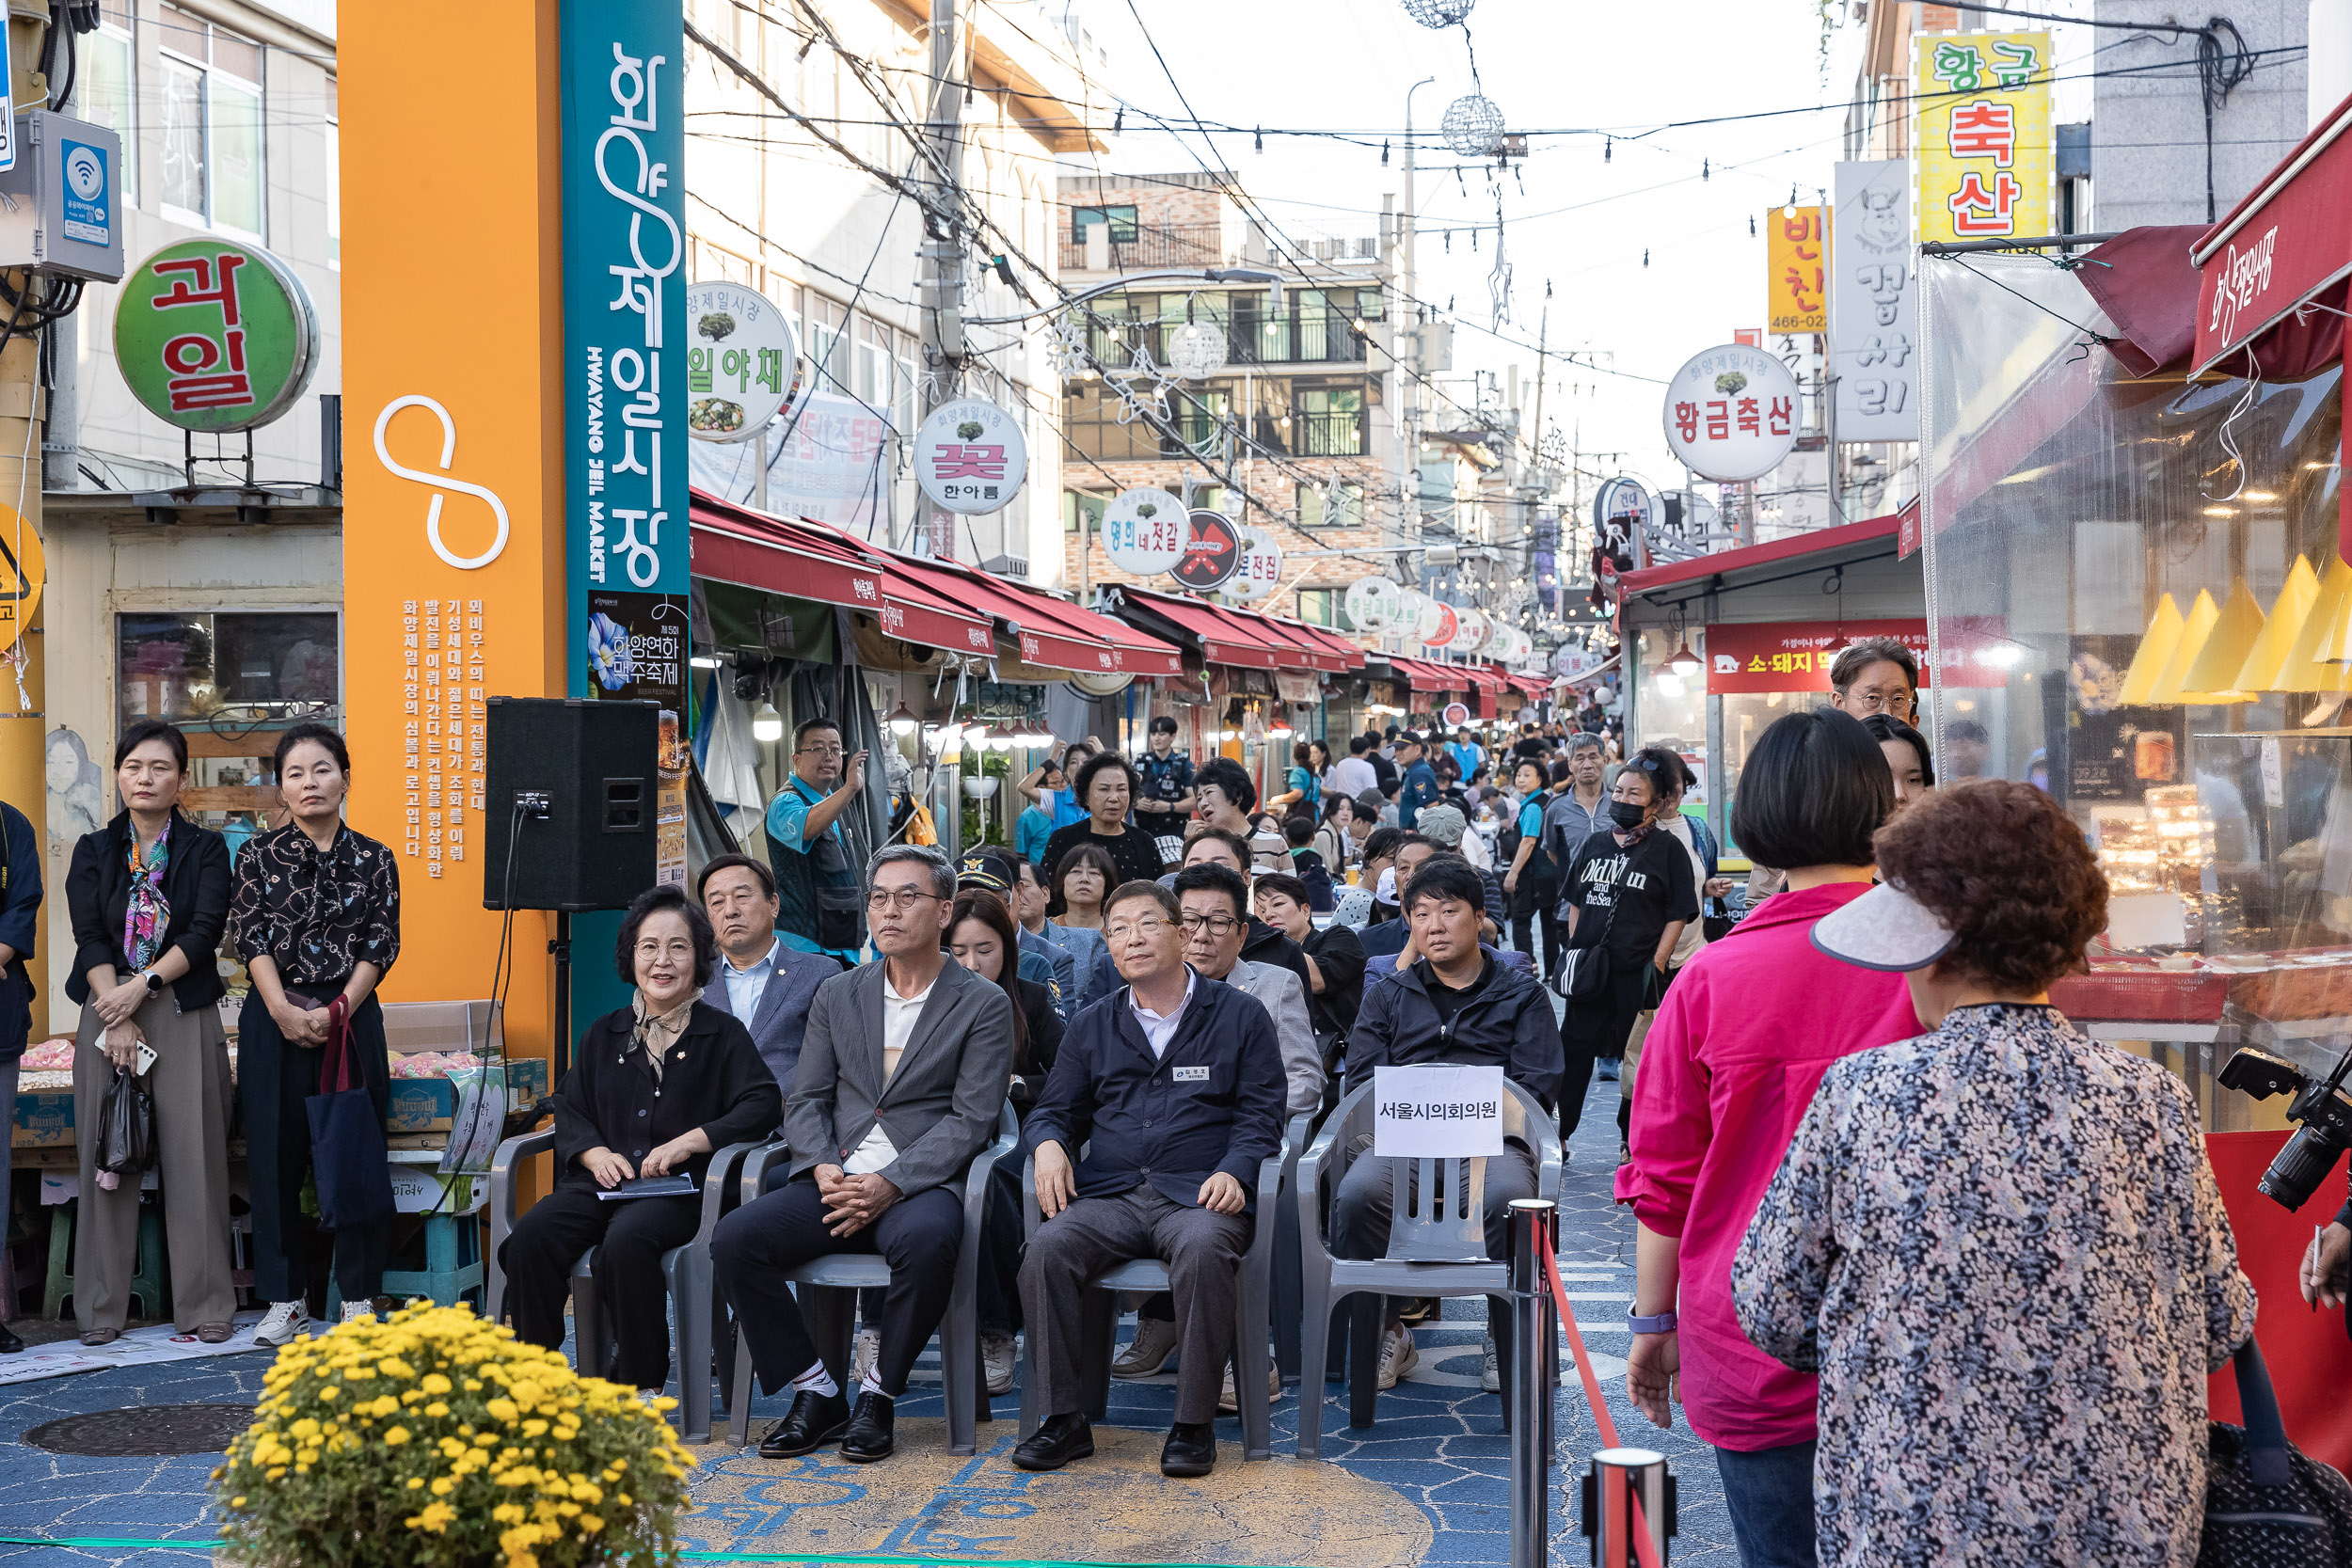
[[1144, 529], [1731, 413], [215, 335], [1211, 552], [970, 456], [742, 364]]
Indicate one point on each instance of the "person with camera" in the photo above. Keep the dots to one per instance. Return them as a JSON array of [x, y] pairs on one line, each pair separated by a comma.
[[816, 887], [2000, 1245]]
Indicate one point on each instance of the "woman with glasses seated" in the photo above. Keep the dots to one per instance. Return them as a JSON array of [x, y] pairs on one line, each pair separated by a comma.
[[653, 1089]]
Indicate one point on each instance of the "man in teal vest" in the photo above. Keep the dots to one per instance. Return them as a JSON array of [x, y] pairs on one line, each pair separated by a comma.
[[820, 906]]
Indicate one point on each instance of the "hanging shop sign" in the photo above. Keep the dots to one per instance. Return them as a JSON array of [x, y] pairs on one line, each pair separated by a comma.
[[1874, 308], [1456, 715], [215, 335], [1144, 531], [1984, 139], [1473, 631], [970, 456], [1796, 655], [23, 570], [1259, 572], [1624, 513], [1374, 603], [742, 363], [1211, 552], [626, 340], [1731, 413], [1796, 270], [1438, 624], [1099, 683]]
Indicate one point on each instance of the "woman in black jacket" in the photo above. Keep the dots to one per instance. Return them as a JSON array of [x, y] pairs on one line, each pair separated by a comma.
[[653, 1090], [148, 894]]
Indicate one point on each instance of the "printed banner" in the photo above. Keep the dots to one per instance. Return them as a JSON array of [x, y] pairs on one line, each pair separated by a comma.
[[1795, 656], [1796, 270], [1874, 303], [626, 343], [1983, 136], [1437, 1112]]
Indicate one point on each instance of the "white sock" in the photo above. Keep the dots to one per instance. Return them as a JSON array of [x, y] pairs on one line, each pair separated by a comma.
[[868, 1386], [817, 1380]]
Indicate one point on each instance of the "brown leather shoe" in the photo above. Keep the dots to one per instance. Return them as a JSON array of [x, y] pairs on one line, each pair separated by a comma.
[[96, 1337], [214, 1333]]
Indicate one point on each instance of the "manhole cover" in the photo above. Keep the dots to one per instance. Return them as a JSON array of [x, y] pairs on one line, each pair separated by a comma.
[[152, 1432]]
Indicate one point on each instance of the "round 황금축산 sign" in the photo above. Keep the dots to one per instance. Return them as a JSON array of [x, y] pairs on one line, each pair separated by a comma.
[[1374, 603], [970, 456], [742, 363], [1211, 552], [1144, 531], [1261, 569], [1731, 413], [215, 335]]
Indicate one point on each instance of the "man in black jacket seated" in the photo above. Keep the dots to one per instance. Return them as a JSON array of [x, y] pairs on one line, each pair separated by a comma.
[[1456, 1005], [1176, 1081]]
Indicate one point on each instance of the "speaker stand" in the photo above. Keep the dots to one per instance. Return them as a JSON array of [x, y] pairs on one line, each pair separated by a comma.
[[560, 951]]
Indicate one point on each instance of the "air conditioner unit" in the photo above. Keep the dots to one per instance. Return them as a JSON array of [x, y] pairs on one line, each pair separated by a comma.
[[1007, 566]]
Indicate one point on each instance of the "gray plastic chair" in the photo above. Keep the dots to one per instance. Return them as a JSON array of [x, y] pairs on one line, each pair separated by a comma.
[[1285, 1305], [1098, 1332], [828, 1296], [686, 1271], [1437, 1245]]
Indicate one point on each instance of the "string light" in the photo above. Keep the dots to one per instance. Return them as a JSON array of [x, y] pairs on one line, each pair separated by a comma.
[[1261, 138], [1384, 154]]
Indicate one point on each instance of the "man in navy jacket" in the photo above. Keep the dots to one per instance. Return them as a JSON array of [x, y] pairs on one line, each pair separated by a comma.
[[1173, 1087], [19, 911]]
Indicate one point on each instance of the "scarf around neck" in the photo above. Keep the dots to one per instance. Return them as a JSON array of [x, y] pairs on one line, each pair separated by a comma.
[[146, 914], [656, 1033]]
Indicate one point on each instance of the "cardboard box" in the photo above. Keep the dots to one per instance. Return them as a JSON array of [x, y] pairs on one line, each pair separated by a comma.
[[43, 1120], [427, 1104]]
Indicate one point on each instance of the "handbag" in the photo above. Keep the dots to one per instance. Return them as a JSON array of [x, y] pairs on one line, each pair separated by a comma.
[[347, 1158], [2266, 1502], [1584, 971], [126, 1127]]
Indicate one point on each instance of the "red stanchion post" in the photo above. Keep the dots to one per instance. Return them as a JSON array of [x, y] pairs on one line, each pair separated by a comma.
[[1644, 1506], [1530, 1395]]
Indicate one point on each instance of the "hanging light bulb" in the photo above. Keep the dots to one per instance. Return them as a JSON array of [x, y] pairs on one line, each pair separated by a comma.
[[999, 740], [902, 720], [1682, 662], [767, 723]]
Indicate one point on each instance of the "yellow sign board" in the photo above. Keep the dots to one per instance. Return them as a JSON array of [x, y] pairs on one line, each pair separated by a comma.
[[1983, 138], [23, 570], [1796, 260]]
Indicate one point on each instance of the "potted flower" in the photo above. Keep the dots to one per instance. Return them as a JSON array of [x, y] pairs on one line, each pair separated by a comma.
[[435, 1440]]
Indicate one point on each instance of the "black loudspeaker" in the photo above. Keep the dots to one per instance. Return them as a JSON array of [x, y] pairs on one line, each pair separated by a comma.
[[571, 789]]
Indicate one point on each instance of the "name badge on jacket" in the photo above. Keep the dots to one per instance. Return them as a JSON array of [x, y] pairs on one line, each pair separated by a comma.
[[1189, 1074]]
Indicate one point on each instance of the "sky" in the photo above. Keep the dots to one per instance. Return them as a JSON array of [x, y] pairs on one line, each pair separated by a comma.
[[1574, 218]]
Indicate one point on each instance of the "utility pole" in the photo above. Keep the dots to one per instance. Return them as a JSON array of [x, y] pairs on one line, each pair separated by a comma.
[[23, 686], [1408, 411], [943, 327]]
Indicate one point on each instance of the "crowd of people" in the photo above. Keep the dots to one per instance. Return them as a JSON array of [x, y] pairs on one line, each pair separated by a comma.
[[1874, 1174]]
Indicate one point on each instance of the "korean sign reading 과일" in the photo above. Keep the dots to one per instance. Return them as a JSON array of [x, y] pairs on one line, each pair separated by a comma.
[[626, 340], [1433, 1112], [1984, 138], [1874, 303]]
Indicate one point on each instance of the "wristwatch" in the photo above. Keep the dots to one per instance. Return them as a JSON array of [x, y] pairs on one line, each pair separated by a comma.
[[1662, 1323], [154, 982]]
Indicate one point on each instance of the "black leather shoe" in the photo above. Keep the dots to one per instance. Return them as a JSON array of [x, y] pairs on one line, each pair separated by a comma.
[[10, 1344], [1191, 1449], [868, 1437], [814, 1420], [1059, 1440]]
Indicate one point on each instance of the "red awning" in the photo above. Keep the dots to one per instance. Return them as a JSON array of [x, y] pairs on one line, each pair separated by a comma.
[[2147, 285], [804, 560], [1486, 678], [1340, 655], [1434, 679], [1226, 637], [1292, 643], [1049, 631], [1534, 686], [2279, 249], [1720, 563]]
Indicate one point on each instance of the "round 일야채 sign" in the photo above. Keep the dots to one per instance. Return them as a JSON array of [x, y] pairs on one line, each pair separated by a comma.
[[1260, 570], [215, 335], [1731, 413], [742, 363], [1374, 603], [1211, 552], [1144, 531], [970, 456]]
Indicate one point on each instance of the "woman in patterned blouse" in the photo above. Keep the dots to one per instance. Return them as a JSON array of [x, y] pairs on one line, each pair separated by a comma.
[[2000, 1245], [316, 917]]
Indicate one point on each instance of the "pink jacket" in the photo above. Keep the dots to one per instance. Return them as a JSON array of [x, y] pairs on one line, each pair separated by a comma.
[[1751, 1025]]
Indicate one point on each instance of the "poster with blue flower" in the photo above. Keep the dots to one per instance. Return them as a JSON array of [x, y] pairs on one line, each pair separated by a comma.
[[636, 646]]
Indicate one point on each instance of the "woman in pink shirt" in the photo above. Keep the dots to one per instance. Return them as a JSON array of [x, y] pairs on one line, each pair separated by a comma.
[[1741, 1042]]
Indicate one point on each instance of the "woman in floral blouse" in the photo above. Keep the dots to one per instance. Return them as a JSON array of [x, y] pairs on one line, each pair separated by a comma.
[[1999, 1245]]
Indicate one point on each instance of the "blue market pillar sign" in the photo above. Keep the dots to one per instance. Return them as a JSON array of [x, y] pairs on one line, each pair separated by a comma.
[[625, 348]]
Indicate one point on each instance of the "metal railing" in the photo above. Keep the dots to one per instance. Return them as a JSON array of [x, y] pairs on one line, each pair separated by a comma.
[[1297, 336], [1178, 245]]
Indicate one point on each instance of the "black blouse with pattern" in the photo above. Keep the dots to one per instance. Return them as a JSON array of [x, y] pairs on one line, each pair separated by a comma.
[[317, 914]]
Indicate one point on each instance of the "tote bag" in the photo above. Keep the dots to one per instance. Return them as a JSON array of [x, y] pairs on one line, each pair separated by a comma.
[[355, 1184], [2268, 1504]]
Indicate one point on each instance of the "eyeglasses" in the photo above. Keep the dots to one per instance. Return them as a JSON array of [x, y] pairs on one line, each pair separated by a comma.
[[1148, 928], [1216, 925], [833, 751], [651, 950], [901, 899]]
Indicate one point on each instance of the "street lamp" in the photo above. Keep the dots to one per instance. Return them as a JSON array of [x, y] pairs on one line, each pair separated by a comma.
[[767, 723]]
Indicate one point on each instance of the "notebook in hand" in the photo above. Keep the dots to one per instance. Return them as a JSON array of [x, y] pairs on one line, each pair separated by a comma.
[[680, 1185]]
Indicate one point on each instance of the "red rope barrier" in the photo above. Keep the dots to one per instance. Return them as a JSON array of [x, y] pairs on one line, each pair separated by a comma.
[[1642, 1546]]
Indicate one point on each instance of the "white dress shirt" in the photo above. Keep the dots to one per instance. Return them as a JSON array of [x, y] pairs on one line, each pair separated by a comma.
[[1159, 1030], [745, 987], [900, 1014]]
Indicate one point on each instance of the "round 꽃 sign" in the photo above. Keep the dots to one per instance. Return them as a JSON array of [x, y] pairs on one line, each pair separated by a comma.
[[742, 364], [1261, 569], [1144, 531], [970, 456], [1211, 552], [214, 334], [1731, 413]]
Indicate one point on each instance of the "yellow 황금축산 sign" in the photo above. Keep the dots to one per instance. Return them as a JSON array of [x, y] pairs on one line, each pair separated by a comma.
[[23, 569], [1796, 278], [1983, 137]]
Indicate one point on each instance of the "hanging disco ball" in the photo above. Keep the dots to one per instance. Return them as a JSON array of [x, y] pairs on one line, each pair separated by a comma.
[[1472, 126], [1196, 350], [1438, 13]]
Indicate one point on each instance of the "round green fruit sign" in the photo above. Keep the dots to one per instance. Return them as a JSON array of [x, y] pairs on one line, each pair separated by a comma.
[[214, 334]]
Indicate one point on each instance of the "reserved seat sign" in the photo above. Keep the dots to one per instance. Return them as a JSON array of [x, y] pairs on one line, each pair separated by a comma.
[[1437, 1112]]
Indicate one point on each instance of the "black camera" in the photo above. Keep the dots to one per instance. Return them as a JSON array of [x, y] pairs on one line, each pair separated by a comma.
[[2320, 1106]]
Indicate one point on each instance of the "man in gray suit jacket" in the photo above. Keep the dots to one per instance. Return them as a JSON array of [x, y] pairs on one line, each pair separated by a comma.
[[766, 984], [904, 1070]]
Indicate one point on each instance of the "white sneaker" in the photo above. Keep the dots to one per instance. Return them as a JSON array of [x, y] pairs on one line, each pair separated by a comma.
[[1398, 1354], [1490, 1376], [863, 1354], [997, 1357], [355, 1311], [1153, 1348], [288, 1321], [1226, 1404]]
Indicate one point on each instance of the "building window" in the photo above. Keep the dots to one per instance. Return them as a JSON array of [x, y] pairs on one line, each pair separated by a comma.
[[1121, 219], [334, 180], [1324, 607], [242, 668], [1343, 507], [108, 94], [211, 125], [1330, 421]]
